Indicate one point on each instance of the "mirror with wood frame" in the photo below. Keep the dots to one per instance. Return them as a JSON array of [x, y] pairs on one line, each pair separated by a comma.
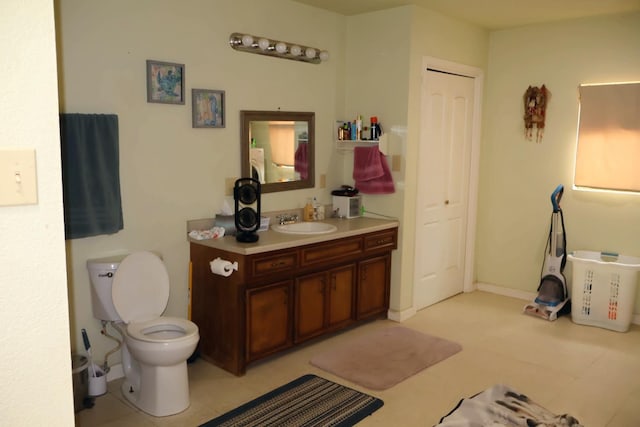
[[277, 148]]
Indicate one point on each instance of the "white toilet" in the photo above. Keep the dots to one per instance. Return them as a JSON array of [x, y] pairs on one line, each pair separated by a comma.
[[134, 290]]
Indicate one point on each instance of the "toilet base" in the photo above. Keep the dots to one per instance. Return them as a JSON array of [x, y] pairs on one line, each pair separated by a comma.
[[163, 390]]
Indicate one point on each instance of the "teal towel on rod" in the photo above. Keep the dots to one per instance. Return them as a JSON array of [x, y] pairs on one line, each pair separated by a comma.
[[90, 174]]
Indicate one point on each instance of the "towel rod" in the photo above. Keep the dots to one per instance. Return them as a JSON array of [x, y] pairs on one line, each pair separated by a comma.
[[382, 143]]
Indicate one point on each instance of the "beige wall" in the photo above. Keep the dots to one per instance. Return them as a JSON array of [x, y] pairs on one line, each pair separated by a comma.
[[35, 361], [438, 36], [384, 73], [170, 172], [518, 176]]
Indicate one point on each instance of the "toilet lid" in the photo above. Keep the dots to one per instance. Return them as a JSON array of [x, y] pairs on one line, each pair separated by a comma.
[[140, 287]]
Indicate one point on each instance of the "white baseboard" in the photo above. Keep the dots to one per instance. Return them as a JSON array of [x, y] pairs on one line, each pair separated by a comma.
[[508, 292], [530, 296], [401, 316], [115, 372]]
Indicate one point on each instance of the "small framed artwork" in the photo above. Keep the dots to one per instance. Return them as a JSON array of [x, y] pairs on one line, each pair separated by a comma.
[[165, 82], [208, 108]]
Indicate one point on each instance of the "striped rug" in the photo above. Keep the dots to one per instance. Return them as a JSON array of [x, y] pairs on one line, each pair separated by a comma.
[[306, 401]]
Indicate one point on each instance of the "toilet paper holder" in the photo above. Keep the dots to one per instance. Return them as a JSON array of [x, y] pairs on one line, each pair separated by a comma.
[[223, 267]]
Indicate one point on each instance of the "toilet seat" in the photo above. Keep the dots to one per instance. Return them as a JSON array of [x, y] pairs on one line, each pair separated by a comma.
[[140, 289], [162, 330]]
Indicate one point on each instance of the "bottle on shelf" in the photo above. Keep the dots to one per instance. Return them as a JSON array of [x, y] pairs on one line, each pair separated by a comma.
[[375, 129], [347, 131]]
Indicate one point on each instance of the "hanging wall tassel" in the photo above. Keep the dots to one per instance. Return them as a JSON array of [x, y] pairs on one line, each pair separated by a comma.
[[535, 104]]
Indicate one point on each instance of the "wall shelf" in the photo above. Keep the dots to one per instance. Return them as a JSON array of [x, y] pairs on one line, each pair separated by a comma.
[[348, 145]]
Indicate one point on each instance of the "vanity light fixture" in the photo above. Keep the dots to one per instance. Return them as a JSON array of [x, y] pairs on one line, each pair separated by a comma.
[[277, 48]]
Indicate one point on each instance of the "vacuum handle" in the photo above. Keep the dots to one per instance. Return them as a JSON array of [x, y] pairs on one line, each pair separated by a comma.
[[556, 196], [85, 338]]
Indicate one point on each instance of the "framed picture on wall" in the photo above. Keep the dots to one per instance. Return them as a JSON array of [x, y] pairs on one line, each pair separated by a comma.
[[207, 108], [165, 82]]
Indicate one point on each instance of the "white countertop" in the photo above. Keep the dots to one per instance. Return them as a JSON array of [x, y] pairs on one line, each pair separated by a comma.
[[272, 240]]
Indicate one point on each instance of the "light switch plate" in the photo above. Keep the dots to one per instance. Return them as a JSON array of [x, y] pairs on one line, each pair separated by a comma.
[[18, 183], [229, 183]]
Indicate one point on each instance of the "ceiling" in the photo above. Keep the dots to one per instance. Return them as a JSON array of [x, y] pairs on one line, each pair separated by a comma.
[[491, 14]]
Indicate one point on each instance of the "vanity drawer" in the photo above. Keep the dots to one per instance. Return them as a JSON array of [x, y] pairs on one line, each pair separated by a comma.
[[330, 251], [271, 263], [381, 240]]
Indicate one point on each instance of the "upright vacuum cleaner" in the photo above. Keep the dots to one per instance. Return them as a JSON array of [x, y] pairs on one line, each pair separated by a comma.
[[553, 297]]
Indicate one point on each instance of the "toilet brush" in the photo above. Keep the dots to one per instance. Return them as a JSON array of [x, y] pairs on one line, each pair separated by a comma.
[[87, 347]]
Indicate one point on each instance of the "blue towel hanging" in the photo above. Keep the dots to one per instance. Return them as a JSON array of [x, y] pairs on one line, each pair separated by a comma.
[[90, 174]]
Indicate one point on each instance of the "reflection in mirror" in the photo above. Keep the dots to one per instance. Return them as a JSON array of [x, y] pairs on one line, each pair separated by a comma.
[[277, 148]]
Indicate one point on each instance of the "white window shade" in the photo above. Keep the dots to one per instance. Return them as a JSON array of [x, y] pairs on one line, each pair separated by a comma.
[[282, 142], [608, 153]]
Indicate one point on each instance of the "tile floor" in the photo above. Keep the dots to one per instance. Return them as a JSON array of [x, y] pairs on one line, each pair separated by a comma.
[[588, 372]]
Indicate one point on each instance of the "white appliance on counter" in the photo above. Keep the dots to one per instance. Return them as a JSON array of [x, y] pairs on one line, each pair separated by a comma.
[[347, 206]]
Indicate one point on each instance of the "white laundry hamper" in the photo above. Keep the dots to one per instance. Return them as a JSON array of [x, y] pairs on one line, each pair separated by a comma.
[[603, 289]]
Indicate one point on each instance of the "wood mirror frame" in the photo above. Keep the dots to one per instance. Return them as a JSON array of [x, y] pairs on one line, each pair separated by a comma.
[[272, 117]]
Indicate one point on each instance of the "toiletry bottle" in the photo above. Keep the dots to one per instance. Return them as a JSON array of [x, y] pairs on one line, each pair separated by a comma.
[[347, 131], [308, 211], [375, 129], [354, 131], [316, 207], [359, 128]]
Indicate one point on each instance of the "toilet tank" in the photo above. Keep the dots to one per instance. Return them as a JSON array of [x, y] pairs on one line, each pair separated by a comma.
[[101, 271]]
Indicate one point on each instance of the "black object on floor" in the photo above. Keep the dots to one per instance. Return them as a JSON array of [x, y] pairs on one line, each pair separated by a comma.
[[307, 401]]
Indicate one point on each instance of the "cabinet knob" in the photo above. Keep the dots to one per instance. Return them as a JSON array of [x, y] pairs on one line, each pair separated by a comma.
[[446, 202]]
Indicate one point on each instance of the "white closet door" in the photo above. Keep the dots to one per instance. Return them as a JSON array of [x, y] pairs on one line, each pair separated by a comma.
[[443, 186]]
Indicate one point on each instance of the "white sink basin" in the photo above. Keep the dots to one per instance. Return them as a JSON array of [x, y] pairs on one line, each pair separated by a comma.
[[305, 228]]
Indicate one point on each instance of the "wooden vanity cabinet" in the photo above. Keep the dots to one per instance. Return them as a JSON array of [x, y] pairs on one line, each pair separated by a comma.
[[324, 302], [269, 311], [278, 299], [373, 292]]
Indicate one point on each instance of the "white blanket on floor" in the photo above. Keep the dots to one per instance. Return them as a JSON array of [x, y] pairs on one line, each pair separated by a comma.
[[501, 406]]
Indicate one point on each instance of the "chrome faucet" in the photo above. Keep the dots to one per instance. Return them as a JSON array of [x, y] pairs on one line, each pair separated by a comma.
[[287, 218]]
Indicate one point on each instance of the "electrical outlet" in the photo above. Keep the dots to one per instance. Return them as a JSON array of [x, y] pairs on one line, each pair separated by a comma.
[[396, 161], [323, 181], [18, 183]]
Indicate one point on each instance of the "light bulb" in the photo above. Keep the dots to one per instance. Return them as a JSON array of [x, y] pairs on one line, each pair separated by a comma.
[[296, 50], [310, 53], [324, 55], [281, 47], [247, 40], [264, 43]]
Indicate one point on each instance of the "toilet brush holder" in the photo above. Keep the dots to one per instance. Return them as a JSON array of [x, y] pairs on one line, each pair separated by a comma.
[[97, 381]]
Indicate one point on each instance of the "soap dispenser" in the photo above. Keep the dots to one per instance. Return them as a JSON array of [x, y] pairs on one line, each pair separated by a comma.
[[308, 211]]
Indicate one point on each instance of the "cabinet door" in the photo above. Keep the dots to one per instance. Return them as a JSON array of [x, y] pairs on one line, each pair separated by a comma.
[[268, 319], [341, 296], [310, 305], [373, 286]]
